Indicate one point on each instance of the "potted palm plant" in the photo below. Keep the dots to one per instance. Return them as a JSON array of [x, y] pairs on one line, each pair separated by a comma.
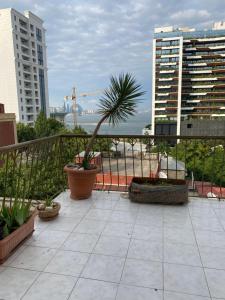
[[119, 102]]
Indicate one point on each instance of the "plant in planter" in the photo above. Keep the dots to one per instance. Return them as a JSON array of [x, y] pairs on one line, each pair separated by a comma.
[[48, 210], [16, 223], [158, 190], [2, 225], [118, 103]]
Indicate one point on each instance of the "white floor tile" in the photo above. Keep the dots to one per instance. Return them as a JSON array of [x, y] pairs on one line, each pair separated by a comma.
[[33, 258], [216, 279], [123, 216], [112, 245], [104, 203], [185, 279], [105, 268], [143, 273], [149, 220], [63, 223], [90, 226], [15, 282], [138, 293], [181, 254], [51, 286], [179, 296], [87, 289], [210, 238], [149, 250], [213, 257], [67, 263], [118, 229], [147, 233], [82, 242], [50, 239], [212, 224], [179, 236], [99, 214]]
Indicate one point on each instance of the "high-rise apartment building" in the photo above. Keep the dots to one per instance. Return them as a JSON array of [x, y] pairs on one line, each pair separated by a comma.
[[23, 65], [188, 78]]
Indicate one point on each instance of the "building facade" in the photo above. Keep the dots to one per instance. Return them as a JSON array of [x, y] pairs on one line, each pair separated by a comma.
[[23, 71], [188, 77], [8, 134]]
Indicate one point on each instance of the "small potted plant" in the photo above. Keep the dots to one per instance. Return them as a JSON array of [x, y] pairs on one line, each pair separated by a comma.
[[118, 103], [48, 210]]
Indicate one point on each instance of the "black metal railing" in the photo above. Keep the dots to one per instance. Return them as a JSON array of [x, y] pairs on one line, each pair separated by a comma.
[[34, 170]]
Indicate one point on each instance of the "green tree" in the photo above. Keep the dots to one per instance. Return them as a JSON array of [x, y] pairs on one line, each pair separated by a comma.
[[47, 126], [25, 132], [41, 127]]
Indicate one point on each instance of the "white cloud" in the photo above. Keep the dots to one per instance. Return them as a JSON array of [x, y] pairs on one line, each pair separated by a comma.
[[189, 14]]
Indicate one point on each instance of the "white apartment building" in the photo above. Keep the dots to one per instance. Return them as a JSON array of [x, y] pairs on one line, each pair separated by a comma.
[[188, 85], [23, 65]]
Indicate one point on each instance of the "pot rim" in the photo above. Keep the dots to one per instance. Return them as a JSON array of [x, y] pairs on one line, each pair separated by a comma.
[[77, 171]]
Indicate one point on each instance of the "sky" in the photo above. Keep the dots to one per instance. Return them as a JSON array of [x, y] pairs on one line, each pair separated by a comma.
[[88, 41]]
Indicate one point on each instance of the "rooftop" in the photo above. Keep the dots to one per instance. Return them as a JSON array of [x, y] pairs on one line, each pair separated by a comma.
[[218, 29], [109, 248]]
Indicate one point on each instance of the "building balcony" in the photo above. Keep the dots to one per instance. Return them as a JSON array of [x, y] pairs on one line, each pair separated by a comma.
[[107, 246]]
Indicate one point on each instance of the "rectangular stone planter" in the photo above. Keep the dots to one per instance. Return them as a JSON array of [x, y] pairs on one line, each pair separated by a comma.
[[8, 244], [155, 190]]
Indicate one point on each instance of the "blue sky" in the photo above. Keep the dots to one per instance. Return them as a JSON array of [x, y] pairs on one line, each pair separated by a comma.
[[89, 40]]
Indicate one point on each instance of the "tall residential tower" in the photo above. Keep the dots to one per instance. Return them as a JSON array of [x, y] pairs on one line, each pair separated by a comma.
[[23, 65], [188, 87]]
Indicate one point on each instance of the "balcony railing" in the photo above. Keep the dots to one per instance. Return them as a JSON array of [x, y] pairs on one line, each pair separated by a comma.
[[34, 170]]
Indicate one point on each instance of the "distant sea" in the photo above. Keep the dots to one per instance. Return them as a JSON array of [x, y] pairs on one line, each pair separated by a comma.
[[134, 125]]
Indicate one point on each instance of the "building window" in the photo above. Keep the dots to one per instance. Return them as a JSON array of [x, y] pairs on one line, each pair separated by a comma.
[[22, 117], [40, 55], [18, 64], [22, 108], [42, 90], [189, 125], [16, 37], [18, 55], [21, 91], [19, 73], [32, 27], [21, 99], [15, 27], [14, 18], [35, 70], [19, 82], [33, 44], [39, 34]]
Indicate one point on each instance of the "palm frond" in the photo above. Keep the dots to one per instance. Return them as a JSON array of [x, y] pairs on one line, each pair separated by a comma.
[[120, 100]]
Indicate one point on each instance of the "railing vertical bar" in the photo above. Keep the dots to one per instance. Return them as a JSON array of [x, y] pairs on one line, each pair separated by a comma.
[[142, 173], [125, 162]]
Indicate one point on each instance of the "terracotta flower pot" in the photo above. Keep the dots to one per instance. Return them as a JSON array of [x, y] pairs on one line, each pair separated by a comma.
[[9, 243], [81, 182]]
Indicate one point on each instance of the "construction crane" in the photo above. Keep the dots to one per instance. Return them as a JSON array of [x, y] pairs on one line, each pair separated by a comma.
[[73, 98]]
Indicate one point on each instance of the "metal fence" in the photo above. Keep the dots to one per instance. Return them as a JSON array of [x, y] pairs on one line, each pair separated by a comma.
[[34, 170]]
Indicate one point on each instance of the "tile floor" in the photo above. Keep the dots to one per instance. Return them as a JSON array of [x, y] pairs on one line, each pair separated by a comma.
[[107, 248]]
